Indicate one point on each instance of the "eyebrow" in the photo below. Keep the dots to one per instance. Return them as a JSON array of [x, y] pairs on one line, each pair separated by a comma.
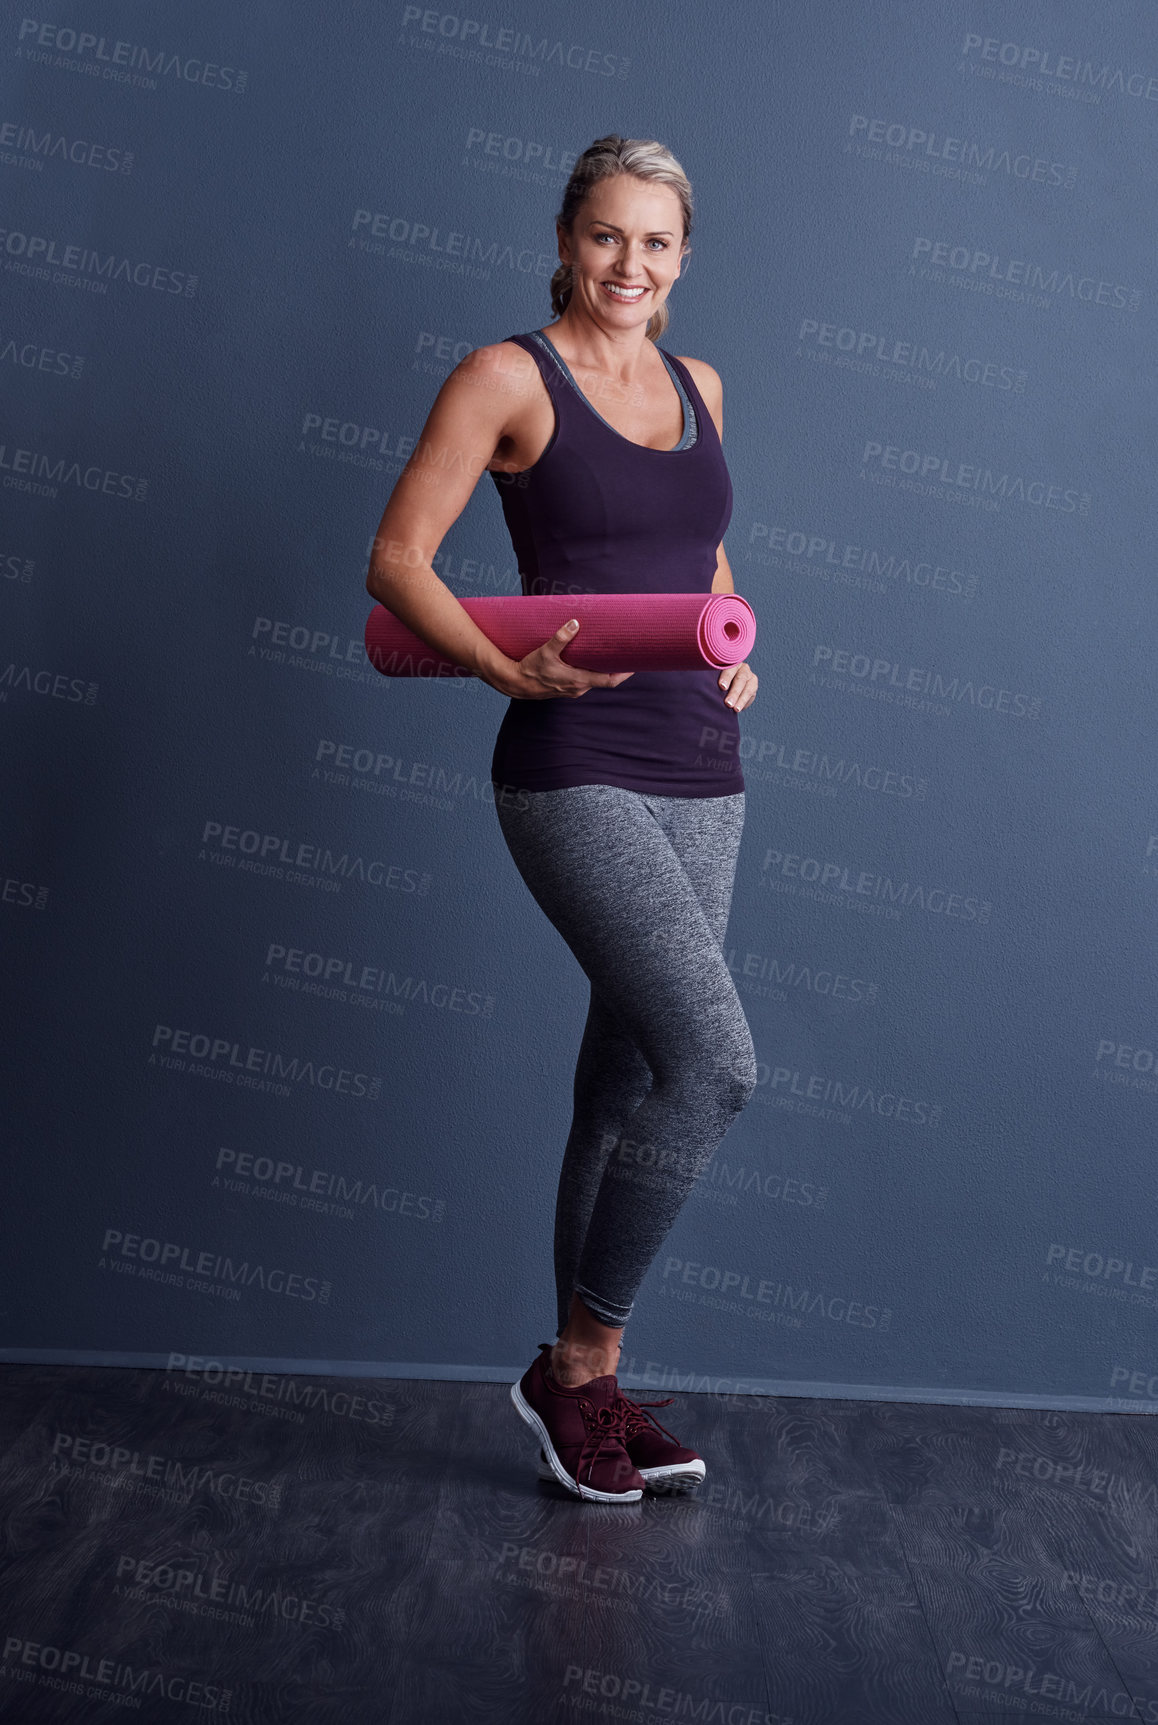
[[666, 232]]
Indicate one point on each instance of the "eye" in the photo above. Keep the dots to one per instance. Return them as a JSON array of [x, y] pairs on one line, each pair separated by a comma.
[[662, 244]]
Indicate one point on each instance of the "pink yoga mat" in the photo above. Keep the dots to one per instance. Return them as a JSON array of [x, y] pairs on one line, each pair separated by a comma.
[[617, 632]]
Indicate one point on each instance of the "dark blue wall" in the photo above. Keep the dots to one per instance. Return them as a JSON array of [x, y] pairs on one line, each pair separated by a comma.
[[241, 248]]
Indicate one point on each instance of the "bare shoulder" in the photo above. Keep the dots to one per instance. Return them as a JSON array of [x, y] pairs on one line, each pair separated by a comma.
[[478, 397], [495, 359], [706, 379], [486, 380]]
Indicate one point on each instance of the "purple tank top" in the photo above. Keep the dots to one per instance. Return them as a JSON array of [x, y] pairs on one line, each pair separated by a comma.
[[598, 513]]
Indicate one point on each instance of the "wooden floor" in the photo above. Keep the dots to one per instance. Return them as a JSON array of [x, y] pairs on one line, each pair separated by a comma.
[[331, 1549]]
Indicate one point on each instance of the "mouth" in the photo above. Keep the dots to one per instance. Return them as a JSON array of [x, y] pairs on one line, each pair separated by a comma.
[[629, 296]]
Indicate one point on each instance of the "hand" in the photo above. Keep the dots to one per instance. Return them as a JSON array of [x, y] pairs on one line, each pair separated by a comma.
[[542, 674], [740, 683]]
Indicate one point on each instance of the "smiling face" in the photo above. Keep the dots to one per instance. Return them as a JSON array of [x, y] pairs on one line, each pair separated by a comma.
[[626, 246]]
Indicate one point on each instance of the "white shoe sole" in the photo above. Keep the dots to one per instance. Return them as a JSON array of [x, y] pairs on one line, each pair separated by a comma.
[[555, 1468], [681, 1477]]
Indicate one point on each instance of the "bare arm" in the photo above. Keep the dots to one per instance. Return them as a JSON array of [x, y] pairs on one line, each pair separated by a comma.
[[739, 682], [722, 580], [472, 411]]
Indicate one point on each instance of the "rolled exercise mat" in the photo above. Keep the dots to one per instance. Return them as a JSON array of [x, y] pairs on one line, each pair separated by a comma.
[[617, 632]]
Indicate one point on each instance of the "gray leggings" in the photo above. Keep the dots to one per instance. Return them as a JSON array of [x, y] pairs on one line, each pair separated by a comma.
[[639, 887]]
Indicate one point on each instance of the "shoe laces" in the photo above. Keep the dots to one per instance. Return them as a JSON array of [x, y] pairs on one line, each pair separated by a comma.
[[605, 1426], [637, 1419]]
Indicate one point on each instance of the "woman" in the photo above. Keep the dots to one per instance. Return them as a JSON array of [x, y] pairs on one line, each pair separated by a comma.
[[619, 795]]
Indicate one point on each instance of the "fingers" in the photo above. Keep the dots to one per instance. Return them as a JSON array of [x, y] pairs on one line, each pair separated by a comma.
[[595, 679], [605, 679], [739, 684]]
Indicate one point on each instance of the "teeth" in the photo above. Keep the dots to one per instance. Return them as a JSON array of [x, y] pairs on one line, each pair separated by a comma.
[[624, 293]]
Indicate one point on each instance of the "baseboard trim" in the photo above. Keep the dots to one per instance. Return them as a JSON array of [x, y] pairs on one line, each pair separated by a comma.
[[654, 1378]]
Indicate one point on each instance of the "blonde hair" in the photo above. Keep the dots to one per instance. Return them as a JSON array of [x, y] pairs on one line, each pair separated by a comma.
[[644, 159]]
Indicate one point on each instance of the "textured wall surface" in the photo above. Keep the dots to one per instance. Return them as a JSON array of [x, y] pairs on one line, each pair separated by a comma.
[[288, 1043]]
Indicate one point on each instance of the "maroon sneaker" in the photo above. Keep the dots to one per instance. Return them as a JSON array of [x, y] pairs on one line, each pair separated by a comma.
[[581, 1431], [664, 1464]]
